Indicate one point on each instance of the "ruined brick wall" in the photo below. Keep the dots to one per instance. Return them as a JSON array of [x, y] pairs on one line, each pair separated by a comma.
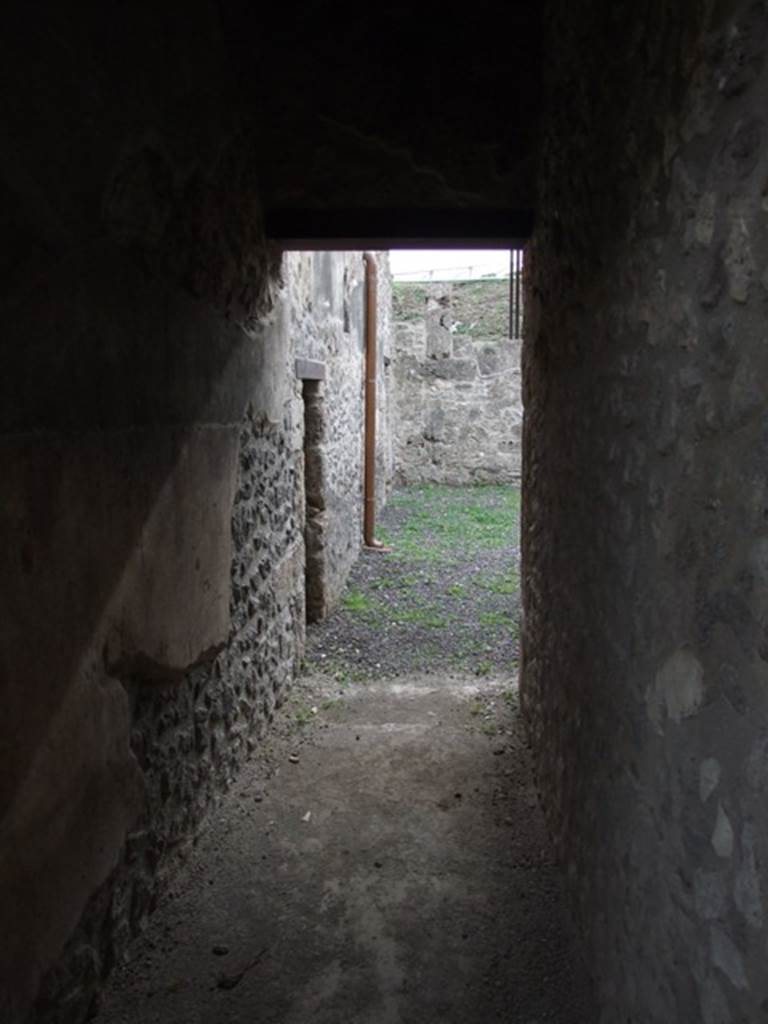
[[458, 408], [646, 500]]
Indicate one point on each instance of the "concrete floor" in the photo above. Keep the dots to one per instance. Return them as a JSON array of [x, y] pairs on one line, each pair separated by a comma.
[[383, 863]]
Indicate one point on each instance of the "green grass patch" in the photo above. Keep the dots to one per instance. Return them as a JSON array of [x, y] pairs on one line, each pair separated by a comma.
[[505, 583], [409, 300], [482, 307], [444, 525], [496, 619], [430, 617], [357, 601], [476, 308]]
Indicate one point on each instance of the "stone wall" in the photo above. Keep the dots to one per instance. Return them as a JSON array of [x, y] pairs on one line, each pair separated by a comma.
[[457, 401], [645, 682], [386, 385], [327, 310], [156, 508]]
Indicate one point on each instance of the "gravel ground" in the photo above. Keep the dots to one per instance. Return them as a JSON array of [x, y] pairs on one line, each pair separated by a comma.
[[444, 597], [383, 858]]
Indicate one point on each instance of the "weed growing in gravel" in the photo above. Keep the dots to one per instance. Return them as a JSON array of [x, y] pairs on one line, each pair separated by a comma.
[[506, 583], [357, 601], [405, 582], [495, 619], [422, 617], [303, 715]]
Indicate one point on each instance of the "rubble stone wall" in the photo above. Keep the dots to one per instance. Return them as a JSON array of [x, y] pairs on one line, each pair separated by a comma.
[[457, 407]]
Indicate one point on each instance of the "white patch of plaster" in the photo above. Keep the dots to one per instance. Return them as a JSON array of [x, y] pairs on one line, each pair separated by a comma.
[[709, 778], [704, 228], [722, 836], [758, 559], [747, 396], [709, 895], [671, 142], [678, 688], [746, 889], [727, 957], [739, 264], [714, 1005], [757, 765]]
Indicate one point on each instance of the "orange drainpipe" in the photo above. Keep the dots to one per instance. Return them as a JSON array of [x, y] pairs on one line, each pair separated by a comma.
[[369, 477]]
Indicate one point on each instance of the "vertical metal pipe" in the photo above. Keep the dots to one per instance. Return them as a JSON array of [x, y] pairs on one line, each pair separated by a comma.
[[520, 292], [517, 293], [369, 468], [512, 293]]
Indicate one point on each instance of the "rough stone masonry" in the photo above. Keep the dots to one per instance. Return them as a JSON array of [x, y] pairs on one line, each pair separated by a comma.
[[645, 542], [457, 393]]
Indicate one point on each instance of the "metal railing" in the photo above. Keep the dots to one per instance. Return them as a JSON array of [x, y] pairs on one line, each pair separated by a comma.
[[479, 272], [465, 272]]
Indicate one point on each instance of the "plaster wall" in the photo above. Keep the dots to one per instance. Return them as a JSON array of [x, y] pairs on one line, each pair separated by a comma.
[[645, 500], [153, 513], [135, 531]]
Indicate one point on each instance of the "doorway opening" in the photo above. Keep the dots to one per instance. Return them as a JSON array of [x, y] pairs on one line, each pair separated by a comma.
[[400, 854], [446, 594]]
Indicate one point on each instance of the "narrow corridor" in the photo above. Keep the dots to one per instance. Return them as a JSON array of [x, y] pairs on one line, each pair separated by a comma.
[[186, 197], [383, 860], [386, 864]]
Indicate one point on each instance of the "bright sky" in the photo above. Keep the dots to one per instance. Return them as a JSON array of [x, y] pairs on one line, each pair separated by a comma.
[[448, 264]]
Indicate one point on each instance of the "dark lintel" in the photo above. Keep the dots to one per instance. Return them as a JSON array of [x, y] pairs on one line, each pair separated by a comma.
[[356, 229]]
